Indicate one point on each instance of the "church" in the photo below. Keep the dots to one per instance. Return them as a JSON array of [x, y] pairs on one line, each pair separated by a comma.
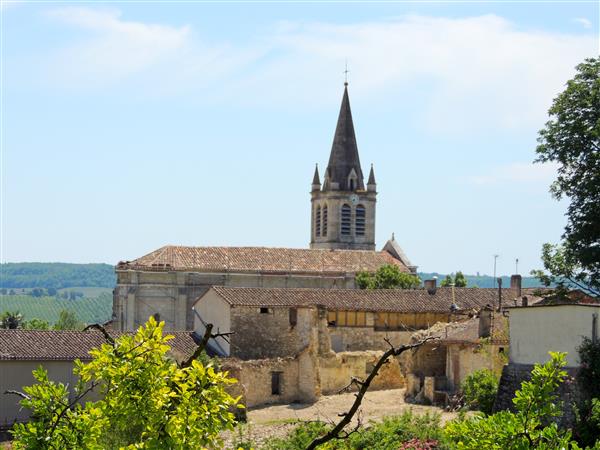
[[167, 282]]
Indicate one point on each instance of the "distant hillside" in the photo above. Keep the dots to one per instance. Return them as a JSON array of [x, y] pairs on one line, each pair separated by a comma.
[[56, 275], [483, 281]]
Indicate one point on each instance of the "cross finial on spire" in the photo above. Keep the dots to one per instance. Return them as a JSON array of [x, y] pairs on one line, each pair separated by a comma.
[[346, 74]]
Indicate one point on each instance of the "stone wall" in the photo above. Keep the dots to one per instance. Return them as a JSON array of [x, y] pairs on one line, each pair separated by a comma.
[[305, 378], [336, 371], [365, 338], [270, 334], [139, 295]]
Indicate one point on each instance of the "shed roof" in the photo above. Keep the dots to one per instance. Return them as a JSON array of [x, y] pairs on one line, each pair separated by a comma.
[[261, 260], [392, 300], [42, 345]]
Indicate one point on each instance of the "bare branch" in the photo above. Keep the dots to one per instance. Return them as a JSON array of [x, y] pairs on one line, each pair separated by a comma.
[[20, 394], [201, 346], [99, 327], [337, 431]]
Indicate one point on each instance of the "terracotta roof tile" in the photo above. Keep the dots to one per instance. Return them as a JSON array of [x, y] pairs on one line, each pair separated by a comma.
[[261, 259], [69, 345], [393, 300]]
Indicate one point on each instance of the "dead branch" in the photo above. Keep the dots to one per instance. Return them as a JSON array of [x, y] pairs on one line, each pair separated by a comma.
[[337, 431], [20, 394], [99, 327]]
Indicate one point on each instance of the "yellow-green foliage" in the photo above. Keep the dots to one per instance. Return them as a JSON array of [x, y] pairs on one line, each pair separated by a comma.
[[146, 401]]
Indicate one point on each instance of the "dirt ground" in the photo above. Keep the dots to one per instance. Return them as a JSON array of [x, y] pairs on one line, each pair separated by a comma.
[[278, 420]]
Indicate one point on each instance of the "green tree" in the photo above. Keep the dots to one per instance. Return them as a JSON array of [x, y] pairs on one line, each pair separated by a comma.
[[448, 281], [11, 320], [460, 280], [147, 401], [531, 427], [67, 320], [36, 324], [387, 276], [571, 139]]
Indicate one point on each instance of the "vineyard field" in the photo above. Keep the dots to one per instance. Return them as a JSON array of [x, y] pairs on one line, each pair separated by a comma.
[[88, 310]]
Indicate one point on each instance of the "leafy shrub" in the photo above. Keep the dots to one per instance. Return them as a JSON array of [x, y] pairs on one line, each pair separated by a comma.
[[480, 390], [407, 431], [146, 401], [299, 438], [587, 409], [530, 427]]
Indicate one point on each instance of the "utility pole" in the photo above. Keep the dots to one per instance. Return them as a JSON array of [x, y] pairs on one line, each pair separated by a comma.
[[495, 258]]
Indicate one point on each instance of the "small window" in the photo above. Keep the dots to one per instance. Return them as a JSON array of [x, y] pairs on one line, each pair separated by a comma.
[[318, 222], [346, 220], [360, 220], [293, 317], [501, 350], [276, 383], [264, 310]]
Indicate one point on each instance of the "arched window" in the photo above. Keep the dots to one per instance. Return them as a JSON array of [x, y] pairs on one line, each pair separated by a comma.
[[352, 184], [346, 220], [360, 220], [318, 221], [324, 229]]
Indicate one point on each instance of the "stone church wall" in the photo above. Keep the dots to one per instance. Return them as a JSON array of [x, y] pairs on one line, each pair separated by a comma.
[[139, 295]]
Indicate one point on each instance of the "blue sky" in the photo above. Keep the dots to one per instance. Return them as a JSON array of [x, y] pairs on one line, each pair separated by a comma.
[[129, 126]]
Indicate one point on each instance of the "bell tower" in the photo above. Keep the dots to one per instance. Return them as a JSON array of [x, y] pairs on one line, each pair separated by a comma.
[[343, 211]]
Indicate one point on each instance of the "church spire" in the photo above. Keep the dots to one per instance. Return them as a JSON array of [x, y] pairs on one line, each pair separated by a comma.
[[316, 183], [343, 171]]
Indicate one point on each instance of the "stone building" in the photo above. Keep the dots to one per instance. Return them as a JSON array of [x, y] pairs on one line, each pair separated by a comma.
[[277, 323], [166, 282]]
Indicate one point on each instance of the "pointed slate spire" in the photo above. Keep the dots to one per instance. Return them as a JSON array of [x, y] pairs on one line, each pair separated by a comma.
[[316, 183], [371, 176], [344, 151]]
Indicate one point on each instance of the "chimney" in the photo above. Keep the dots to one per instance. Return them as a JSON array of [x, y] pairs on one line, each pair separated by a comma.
[[515, 283], [524, 301], [485, 322], [431, 285]]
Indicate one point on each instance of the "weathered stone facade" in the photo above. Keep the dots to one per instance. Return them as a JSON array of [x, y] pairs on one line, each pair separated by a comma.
[[141, 294]]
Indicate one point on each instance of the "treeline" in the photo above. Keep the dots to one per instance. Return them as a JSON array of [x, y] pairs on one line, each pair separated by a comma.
[[56, 275], [483, 281]]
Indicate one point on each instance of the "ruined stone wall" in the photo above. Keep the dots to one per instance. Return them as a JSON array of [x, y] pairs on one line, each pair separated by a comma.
[[428, 360], [365, 338], [463, 360], [139, 295], [336, 371], [270, 334]]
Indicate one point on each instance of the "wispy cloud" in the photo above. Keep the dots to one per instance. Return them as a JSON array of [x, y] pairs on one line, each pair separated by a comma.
[[461, 74], [585, 23], [518, 173], [116, 49]]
